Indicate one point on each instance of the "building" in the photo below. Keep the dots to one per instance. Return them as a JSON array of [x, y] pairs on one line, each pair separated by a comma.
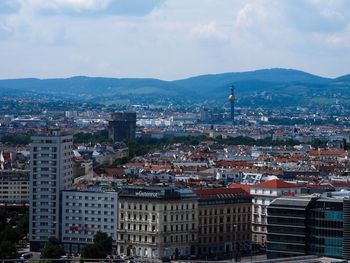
[[157, 222], [224, 222], [286, 227], [51, 172], [14, 187], [263, 194], [122, 126], [311, 225], [86, 212]]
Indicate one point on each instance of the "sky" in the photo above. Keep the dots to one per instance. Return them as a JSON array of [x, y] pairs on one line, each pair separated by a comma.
[[172, 39]]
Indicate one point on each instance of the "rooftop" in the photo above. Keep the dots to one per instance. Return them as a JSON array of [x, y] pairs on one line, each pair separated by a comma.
[[276, 184]]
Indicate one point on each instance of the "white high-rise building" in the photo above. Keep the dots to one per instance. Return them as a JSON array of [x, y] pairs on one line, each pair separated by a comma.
[[86, 212], [51, 172]]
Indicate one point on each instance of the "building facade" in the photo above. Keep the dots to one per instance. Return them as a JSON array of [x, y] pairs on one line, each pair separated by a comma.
[[122, 126], [224, 222], [315, 226], [263, 194], [86, 212], [156, 222], [14, 187], [286, 227], [51, 172]]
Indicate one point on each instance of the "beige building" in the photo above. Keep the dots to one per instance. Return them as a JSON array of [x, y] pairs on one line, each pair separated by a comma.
[[224, 226], [156, 222], [263, 194], [14, 187]]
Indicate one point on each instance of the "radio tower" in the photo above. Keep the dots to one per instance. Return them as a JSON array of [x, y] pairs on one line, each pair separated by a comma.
[[232, 99]]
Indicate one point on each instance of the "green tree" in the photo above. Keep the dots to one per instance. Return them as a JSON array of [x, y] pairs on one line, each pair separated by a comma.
[[104, 240], [23, 225], [53, 249], [100, 248], [7, 250], [93, 251], [10, 234]]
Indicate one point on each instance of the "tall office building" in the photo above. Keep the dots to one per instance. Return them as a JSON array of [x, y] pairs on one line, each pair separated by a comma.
[[122, 126], [51, 172]]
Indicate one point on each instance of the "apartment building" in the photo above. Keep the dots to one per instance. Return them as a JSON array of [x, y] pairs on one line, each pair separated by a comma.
[[263, 194], [156, 222], [14, 187], [224, 221], [51, 172]]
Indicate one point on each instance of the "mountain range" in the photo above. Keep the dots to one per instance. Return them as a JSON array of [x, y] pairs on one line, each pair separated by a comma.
[[266, 87]]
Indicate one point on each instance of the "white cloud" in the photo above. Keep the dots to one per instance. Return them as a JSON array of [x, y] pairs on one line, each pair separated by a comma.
[[74, 5], [174, 38]]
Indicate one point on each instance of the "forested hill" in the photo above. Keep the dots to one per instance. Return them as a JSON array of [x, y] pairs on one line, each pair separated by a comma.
[[266, 87]]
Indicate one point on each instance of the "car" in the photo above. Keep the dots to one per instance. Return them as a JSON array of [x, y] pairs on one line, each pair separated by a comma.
[[26, 256]]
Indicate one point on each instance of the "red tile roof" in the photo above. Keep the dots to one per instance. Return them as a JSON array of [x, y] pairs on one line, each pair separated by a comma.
[[276, 183], [326, 152], [119, 172], [245, 187], [338, 184]]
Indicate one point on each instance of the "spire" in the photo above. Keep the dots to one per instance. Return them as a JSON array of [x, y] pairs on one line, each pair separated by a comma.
[[232, 99]]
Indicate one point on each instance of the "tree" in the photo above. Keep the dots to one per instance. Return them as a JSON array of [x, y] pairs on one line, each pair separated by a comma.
[[10, 234], [100, 248], [23, 225], [104, 240], [53, 249], [8, 250], [93, 251]]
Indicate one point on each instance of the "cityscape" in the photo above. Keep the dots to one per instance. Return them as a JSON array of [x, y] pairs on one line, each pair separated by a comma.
[[154, 161]]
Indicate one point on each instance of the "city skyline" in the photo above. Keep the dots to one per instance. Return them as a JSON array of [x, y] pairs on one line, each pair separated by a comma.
[[171, 39]]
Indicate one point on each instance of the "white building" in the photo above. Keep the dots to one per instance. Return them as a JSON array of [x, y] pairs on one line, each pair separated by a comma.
[[156, 222], [263, 194], [51, 172], [86, 212]]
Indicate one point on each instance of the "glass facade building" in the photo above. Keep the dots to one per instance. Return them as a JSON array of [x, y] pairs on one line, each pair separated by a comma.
[[309, 225], [286, 227], [325, 228]]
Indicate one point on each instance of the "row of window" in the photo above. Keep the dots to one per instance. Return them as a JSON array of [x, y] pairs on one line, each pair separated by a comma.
[[223, 211], [153, 207], [91, 205], [93, 198], [93, 212]]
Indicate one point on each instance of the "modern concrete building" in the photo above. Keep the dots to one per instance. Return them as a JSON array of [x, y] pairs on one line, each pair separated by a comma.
[[156, 222], [86, 212], [51, 172], [122, 126], [224, 222], [263, 194], [14, 187]]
